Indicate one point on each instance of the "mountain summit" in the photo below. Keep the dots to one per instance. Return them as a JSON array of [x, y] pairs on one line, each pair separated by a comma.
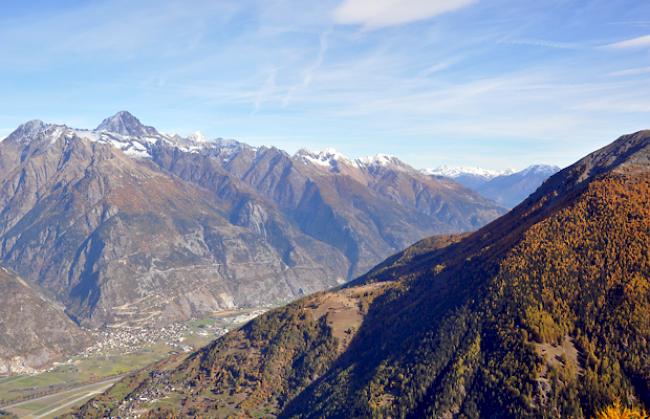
[[28, 130], [126, 124], [542, 313]]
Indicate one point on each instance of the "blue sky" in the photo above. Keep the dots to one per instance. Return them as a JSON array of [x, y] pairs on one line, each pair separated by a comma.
[[493, 83]]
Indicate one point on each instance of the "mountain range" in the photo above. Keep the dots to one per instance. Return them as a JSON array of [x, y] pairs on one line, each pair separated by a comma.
[[544, 312], [124, 225], [506, 187], [468, 176]]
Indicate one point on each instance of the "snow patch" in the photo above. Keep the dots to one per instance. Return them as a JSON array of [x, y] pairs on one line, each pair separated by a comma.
[[540, 169], [198, 137], [379, 160], [327, 158]]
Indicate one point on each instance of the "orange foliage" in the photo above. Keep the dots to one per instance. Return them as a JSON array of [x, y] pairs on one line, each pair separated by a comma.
[[617, 411]]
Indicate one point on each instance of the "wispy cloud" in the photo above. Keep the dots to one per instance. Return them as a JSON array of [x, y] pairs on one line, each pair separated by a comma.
[[438, 67], [308, 73], [620, 104], [542, 43], [638, 23], [267, 90], [630, 72], [374, 14], [639, 42], [106, 31]]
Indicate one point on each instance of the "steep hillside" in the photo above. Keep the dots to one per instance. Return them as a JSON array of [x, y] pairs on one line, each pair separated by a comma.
[[34, 331], [544, 312], [124, 224]]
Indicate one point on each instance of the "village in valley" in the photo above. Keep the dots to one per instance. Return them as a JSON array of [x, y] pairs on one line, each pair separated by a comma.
[[115, 353]]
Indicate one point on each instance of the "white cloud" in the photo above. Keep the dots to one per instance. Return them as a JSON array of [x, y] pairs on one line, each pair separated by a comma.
[[380, 13], [640, 42]]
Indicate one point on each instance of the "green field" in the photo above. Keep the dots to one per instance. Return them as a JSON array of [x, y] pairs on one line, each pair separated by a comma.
[[58, 403], [79, 371], [72, 384]]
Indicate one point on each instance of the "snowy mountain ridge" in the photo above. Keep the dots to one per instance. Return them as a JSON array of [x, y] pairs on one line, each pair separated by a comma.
[[456, 171], [126, 133]]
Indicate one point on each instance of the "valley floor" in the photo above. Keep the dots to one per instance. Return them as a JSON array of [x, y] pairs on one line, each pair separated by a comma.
[[52, 405], [117, 352]]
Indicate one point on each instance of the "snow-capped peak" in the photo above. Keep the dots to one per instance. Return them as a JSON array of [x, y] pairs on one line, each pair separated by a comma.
[[379, 160], [198, 137], [35, 130], [29, 129], [456, 171], [542, 169], [126, 124], [328, 157], [331, 159], [330, 154], [126, 133]]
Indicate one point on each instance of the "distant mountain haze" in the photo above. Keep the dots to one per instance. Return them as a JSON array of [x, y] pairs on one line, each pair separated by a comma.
[[507, 187], [509, 190]]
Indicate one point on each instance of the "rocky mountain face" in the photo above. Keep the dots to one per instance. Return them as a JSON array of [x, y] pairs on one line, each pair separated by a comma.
[[364, 208], [34, 330], [543, 312], [123, 224], [126, 124], [507, 188]]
